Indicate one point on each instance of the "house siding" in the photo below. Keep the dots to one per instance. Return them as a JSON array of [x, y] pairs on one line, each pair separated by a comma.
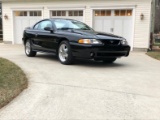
[[141, 27]]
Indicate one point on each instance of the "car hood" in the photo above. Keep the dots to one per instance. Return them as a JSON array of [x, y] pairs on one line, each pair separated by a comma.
[[97, 35]]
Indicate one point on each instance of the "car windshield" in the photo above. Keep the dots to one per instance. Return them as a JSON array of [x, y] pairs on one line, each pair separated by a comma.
[[62, 24]]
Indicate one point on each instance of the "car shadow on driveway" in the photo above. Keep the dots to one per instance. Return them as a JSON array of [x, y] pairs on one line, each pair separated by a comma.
[[83, 62], [92, 63]]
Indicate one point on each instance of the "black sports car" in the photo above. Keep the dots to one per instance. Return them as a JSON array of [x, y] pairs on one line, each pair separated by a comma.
[[71, 39]]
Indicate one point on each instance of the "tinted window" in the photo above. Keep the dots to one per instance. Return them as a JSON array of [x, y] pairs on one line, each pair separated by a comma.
[[36, 26], [44, 24]]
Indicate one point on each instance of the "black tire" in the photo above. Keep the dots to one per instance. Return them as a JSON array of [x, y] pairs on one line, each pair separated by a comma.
[[109, 60], [65, 54], [28, 49]]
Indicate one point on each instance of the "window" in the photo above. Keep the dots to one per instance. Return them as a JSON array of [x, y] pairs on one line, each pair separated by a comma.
[[27, 13], [75, 13], [58, 13], [123, 12], [129, 12], [35, 13], [43, 24], [20, 13], [67, 13], [116, 13], [103, 13], [36, 26]]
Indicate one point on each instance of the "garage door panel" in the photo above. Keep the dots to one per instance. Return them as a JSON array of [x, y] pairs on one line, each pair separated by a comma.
[[118, 27], [107, 25], [34, 20], [23, 19], [20, 25], [25, 23], [76, 18], [18, 29], [98, 24], [127, 31]]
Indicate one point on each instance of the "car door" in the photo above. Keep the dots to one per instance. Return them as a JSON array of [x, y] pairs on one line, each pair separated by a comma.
[[45, 39], [33, 35]]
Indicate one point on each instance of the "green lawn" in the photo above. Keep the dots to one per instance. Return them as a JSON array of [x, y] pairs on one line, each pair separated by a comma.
[[154, 54], [12, 81]]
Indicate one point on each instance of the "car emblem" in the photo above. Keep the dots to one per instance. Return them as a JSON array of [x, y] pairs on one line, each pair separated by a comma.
[[111, 42]]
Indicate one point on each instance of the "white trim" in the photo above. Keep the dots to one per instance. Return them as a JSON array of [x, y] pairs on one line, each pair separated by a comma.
[[12, 17], [28, 8], [150, 22], [42, 13], [114, 7], [67, 8], [84, 15], [92, 17], [133, 29], [133, 7]]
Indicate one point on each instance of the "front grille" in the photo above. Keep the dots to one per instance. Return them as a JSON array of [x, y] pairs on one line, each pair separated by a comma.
[[111, 42]]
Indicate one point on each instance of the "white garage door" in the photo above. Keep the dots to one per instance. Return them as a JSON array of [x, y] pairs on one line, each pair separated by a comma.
[[118, 22], [70, 14], [23, 19]]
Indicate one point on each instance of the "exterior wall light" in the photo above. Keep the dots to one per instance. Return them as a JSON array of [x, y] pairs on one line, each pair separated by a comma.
[[142, 16], [6, 17]]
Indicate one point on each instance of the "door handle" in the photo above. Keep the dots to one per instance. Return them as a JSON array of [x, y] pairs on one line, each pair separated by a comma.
[[112, 29]]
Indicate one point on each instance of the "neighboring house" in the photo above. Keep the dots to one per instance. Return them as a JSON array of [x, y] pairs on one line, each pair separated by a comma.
[[128, 18], [157, 17]]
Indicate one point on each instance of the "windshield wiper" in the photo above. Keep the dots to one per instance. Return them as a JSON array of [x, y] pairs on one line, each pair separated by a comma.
[[85, 29]]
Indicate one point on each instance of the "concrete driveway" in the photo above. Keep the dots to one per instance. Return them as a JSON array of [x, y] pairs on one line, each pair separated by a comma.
[[127, 89]]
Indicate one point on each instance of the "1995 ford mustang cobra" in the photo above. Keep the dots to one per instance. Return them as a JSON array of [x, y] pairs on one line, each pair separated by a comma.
[[70, 39]]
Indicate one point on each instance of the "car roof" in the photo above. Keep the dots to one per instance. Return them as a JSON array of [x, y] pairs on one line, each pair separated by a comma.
[[52, 19]]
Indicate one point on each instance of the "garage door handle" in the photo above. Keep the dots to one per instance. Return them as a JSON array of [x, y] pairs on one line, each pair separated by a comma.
[[112, 29]]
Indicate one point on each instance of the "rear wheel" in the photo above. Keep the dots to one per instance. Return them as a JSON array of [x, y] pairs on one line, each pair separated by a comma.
[[64, 53], [109, 60], [28, 49]]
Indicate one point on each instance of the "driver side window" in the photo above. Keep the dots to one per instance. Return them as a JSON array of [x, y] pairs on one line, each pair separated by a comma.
[[36, 26], [44, 24]]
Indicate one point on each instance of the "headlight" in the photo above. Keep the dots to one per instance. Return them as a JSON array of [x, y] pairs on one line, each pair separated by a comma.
[[124, 42], [89, 41]]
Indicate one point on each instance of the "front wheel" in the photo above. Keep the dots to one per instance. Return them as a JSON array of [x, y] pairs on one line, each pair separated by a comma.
[[109, 60], [64, 53], [28, 49]]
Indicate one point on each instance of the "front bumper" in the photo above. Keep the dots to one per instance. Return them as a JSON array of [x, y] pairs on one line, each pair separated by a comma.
[[99, 51]]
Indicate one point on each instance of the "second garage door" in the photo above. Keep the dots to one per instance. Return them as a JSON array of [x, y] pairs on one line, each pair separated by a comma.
[[118, 22]]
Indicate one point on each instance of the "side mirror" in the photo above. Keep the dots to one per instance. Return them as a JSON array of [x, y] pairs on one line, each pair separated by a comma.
[[48, 29]]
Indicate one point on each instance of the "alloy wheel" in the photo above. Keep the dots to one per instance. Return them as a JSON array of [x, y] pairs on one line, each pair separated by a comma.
[[28, 48], [63, 52]]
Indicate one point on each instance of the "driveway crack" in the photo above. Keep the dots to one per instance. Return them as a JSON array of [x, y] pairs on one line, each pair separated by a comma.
[[93, 88]]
